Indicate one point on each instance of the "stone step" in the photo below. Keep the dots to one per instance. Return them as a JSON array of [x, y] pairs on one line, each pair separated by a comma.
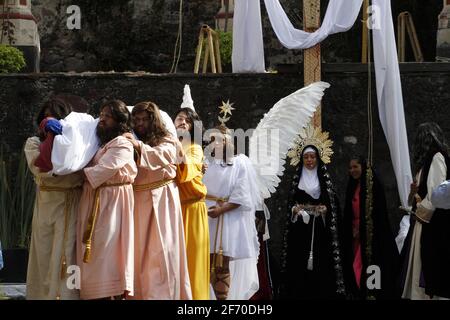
[[16, 291]]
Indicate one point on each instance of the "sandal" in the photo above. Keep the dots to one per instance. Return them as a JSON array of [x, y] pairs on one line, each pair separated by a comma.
[[221, 284]]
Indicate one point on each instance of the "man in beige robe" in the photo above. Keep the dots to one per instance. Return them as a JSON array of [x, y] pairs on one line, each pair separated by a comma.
[[160, 267], [52, 247], [105, 232]]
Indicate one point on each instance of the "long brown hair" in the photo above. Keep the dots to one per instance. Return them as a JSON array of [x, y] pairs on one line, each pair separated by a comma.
[[56, 108], [195, 122], [429, 140], [121, 116], [157, 130]]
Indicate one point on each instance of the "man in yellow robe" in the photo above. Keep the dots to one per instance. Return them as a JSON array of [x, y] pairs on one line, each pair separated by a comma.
[[192, 195]]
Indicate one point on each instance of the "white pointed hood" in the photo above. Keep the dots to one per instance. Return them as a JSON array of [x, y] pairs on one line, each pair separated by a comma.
[[187, 99]]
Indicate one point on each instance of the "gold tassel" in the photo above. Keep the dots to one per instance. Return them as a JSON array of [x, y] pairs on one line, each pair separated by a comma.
[[310, 261], [212, 275], [89, 232], [219, 259], [369, 213], [87, 252], [63, 267]]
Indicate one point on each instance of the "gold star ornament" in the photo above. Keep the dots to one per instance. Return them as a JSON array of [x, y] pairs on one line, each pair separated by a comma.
[[225, 109]]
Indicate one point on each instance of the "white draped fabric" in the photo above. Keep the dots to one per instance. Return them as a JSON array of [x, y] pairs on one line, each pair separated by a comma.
[[390, 98], [402, 233], [168, 123], [340, 16], [77, 145], [248, 48], [441, 196]]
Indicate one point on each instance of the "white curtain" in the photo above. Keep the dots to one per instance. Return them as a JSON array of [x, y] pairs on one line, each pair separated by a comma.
[[389, 93], [248, 48], [340, 16]]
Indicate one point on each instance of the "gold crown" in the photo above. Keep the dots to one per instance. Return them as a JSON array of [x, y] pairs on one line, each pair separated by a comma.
[[311, 136]]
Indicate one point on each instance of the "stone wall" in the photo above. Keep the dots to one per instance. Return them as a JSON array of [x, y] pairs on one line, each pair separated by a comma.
[[141, 34], [120, 35], [425, 88]]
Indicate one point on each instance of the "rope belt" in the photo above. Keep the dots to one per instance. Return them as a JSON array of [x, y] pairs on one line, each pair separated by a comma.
[[306, 213], [191, 201], [216, 199], [153, 185], [69, 194], [217, 256], [88, 234]]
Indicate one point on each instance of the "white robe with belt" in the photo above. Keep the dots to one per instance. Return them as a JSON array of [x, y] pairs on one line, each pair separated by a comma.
[[239, 235], [412, 289]]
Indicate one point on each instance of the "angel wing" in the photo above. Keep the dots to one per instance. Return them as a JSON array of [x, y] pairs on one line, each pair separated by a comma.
[[275, 134]]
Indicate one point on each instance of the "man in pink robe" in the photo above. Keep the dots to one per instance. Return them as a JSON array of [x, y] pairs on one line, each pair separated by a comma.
[[105, 232], [160, 263]]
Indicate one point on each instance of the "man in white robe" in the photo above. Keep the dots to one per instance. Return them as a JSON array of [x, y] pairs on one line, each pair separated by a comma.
[[232, 204]]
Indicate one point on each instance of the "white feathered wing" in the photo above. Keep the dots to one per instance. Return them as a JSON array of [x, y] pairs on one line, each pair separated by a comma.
[[275, 134]]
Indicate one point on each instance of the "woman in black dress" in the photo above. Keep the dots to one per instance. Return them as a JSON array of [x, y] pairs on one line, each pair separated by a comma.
[[367, 238], [311, 259]]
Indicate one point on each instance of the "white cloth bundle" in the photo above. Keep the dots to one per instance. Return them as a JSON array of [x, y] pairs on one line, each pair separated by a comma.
[[77, 145], [168, 123], [441, 196], [402, 233]]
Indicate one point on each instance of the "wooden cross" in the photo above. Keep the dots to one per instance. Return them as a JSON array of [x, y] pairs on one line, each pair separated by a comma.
[[312, 64]]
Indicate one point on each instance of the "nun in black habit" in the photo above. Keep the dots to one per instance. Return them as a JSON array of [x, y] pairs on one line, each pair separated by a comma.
[[311, 266]]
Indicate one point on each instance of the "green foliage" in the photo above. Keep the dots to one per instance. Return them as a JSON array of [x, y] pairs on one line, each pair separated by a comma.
[[16, 204], [11, 59], [226, 46]]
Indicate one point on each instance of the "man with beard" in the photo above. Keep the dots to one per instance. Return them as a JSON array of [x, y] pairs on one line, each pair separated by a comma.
[[105, 230], [160, 269], [53, 235], [192, 195]]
